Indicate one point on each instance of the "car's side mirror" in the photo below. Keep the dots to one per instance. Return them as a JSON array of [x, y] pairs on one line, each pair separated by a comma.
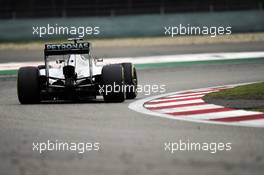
[[99, 59], [60, 61]]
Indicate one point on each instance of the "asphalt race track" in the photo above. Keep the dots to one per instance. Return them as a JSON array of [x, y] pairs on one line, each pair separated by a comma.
[[130, 142]]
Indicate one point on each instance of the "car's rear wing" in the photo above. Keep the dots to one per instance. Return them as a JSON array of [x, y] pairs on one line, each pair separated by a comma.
[[67, 48]]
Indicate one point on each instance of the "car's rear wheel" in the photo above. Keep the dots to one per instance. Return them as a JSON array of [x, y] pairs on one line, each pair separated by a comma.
[[113, 83], [130, 80], [28, 89]]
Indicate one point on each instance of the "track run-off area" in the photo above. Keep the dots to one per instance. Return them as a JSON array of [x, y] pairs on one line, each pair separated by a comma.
[[133, 142]]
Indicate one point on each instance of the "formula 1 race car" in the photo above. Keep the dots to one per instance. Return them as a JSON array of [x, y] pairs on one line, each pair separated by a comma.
[[71, 73]]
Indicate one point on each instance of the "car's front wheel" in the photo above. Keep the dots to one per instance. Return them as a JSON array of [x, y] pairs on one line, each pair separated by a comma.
[[28, 89]]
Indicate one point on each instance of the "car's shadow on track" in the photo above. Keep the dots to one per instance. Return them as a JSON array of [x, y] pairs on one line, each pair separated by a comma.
[[60, 102], [97, 101]]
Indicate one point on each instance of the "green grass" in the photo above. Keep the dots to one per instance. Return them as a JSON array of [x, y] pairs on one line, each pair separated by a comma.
[[246, 92], [8, 72], [189, 63], [257, 109]]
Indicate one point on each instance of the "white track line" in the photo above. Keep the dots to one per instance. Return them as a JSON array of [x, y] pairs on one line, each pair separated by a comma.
[[189, 108], [157, 59], [224, 114], [184, 95], [257, 122], [173, 103], [176, 98]]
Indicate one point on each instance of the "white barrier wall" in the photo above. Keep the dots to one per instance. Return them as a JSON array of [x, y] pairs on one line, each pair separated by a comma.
[[131, 26]]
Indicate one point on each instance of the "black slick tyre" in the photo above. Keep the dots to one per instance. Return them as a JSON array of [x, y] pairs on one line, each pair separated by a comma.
[[113, 83], [130, 80], [28, 89]]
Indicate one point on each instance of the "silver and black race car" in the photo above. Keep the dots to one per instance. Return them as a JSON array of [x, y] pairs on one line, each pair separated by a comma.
[[71, 73]]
